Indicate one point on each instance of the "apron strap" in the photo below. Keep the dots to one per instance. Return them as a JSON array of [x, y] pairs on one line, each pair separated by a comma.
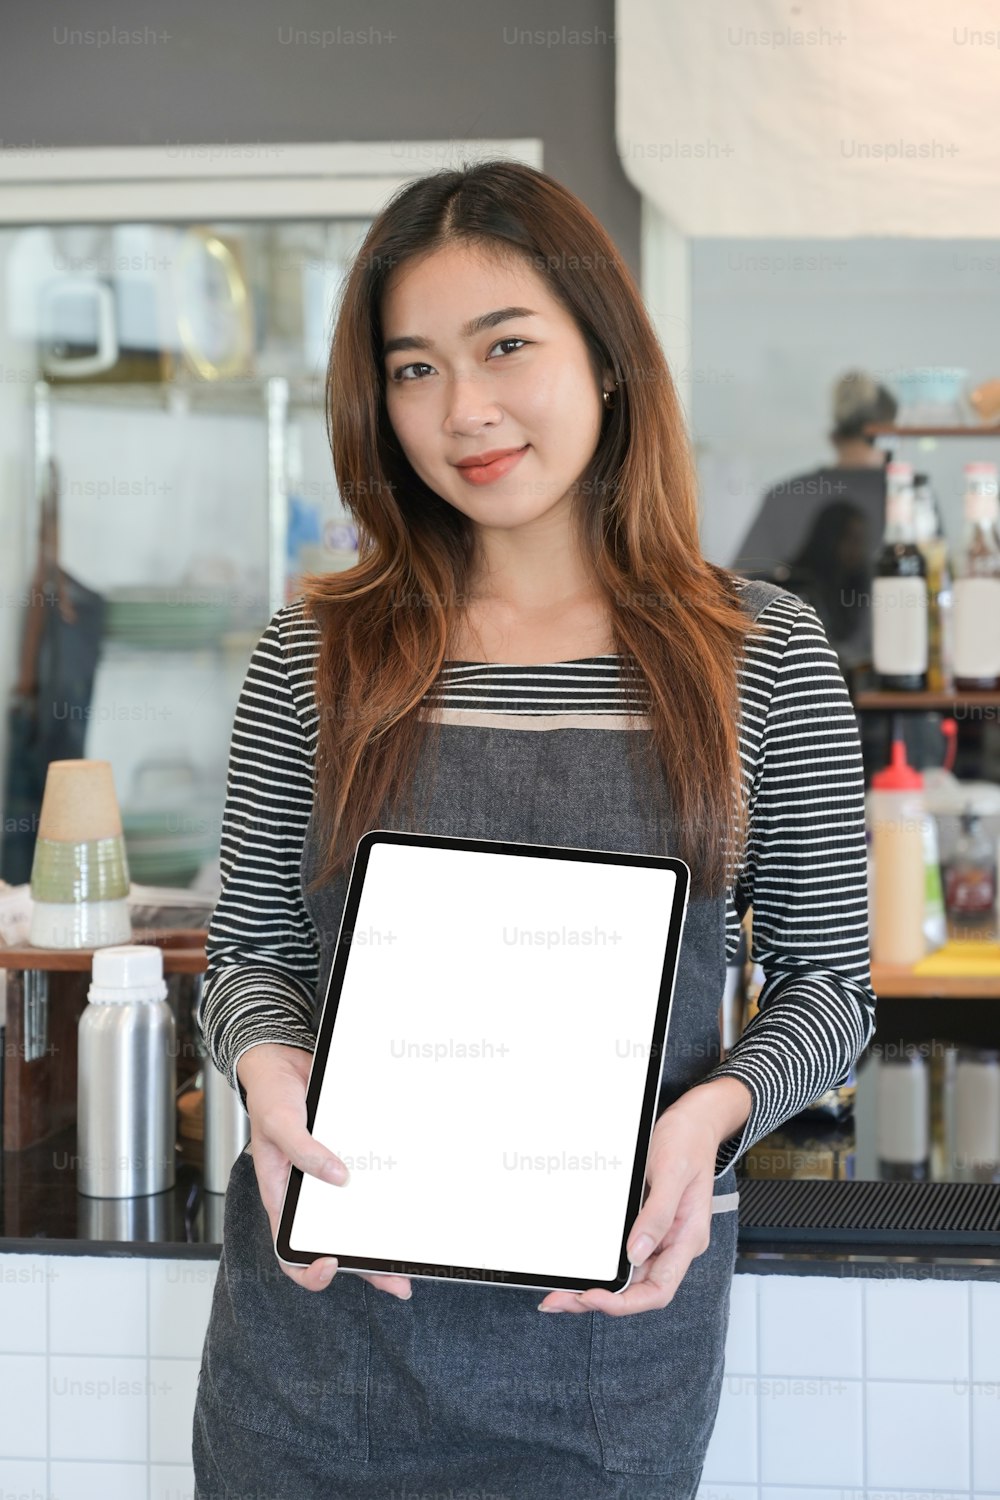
[[724, 1202]]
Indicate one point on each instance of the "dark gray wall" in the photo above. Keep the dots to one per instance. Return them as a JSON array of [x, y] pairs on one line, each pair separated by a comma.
[[224, 71]]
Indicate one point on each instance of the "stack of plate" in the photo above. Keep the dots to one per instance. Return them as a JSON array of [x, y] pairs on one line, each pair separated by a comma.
[[169, 846], [170, 618]]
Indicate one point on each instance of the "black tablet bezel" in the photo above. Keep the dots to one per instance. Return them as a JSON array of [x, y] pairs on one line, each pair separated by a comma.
[[654, 1072]]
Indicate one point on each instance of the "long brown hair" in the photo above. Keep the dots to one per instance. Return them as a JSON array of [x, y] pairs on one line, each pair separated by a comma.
[[385, 623]]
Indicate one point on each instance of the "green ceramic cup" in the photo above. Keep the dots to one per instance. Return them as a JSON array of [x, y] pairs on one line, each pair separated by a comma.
[[93, 870]]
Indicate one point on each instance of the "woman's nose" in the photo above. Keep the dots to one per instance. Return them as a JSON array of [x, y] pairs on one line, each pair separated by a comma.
[[470, 406]]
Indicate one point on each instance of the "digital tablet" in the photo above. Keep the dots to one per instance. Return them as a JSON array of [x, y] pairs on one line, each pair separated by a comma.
[[489, 1060]]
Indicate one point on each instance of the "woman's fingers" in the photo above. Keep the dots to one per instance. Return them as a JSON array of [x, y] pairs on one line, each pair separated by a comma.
[[314, 1277], [672, 1227], [281, 1142], [285, 1127], [663, 1275], [296, 1147], [671, 1176], [398, 1286], [653, 1284], [271, 1181], [272, 1166], [285, 1142]]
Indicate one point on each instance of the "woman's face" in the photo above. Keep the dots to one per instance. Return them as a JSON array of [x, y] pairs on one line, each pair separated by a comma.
[[524, 382]]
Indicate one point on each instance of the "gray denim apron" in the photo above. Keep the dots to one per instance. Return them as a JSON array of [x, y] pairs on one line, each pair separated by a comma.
[[467, 1390]]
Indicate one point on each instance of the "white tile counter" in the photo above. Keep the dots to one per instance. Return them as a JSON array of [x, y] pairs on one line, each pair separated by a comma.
[[853, 1387]]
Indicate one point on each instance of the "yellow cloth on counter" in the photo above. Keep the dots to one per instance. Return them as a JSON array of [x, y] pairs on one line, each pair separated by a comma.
[[963, 958]]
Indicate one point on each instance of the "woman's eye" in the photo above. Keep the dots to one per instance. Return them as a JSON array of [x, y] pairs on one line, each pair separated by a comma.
[[400, 375], [509, 341]]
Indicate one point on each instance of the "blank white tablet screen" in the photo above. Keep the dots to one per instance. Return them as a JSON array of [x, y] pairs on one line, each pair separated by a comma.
[[487, 1066]]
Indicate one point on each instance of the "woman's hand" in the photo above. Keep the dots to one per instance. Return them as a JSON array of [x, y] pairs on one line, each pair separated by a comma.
[[675, 1222], [275, 1078]]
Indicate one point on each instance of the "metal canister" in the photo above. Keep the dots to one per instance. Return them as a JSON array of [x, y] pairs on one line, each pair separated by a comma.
[[126, 1077], [227, 1129], [227, 1125]]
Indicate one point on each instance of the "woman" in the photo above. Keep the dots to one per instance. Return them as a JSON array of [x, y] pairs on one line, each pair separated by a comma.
[[532, 648]]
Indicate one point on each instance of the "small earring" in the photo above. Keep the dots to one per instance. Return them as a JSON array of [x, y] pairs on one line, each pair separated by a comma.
[[608, 397]]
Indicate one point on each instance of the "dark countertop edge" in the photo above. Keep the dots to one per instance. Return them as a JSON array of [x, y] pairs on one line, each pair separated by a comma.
[[813, 1259], [872, 1262], [133, 1249]]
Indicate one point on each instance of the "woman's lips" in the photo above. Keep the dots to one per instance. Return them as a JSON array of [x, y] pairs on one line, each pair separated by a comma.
[[486, 473]]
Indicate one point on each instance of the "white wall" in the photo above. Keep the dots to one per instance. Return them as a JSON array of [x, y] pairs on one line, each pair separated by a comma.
[[775, 322]]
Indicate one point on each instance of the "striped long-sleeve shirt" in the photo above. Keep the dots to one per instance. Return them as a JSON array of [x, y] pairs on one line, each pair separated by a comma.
[[803, 870]]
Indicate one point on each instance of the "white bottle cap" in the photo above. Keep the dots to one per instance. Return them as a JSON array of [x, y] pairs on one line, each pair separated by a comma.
[[133, 971]]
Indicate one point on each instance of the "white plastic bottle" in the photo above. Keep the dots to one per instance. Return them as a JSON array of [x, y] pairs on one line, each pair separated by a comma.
[[897, 818]]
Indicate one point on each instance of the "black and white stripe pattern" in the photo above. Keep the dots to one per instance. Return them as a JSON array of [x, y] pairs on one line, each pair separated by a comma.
[[591, 685], [803, 870]]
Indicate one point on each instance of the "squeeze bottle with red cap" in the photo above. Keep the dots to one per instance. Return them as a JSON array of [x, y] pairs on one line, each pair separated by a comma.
[[897, 817]]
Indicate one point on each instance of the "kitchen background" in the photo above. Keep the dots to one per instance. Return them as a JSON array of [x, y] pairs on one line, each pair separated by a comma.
[[219, 474], [194, 478], [176, 533], [206, 345]]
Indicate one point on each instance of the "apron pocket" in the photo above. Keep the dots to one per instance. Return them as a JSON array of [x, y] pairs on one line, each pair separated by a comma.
[[656, 1377], [478, 1370], [281, 1361]]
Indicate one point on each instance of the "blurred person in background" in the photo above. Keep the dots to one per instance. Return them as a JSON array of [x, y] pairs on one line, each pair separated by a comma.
[[790, 510], [832, 571]]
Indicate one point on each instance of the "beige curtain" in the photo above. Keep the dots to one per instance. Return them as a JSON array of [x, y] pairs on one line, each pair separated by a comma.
[[759, 117]]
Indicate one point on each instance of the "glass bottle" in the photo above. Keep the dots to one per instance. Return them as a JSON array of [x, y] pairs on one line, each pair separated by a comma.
[[977, 589], [970, 884], [899, 592], [902, 1114], [977, 1115], [933, 544]]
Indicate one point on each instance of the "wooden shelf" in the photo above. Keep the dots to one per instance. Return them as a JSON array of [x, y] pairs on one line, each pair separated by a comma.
[[47, 992], [902, 984], [873, 698], [881, 429], [183, 952]]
